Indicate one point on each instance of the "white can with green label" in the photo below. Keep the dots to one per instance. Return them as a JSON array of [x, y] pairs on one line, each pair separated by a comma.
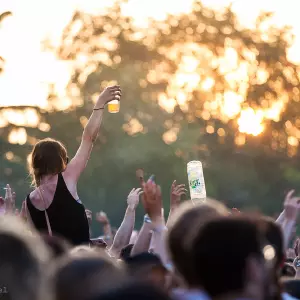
[[196, 180]]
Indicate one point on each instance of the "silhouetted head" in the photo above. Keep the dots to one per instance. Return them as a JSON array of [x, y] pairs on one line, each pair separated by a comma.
[[147, 267], [183, 227], [48, 157], [84, 275], [126, 251], [134, 291], [23, 262], [239, 269]]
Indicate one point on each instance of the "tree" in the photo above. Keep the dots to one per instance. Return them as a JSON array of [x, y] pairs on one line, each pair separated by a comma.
[[190, 83], [205, 69]]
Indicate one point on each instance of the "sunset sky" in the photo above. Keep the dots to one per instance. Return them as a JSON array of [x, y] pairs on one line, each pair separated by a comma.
[[34, 20], [29, 70]]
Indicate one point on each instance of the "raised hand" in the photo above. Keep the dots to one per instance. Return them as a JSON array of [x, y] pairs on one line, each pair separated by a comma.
[[176, 192], [140, 176], [133, 198], [10, 200], [291, 206], [102, 218], [152, 201], [89, 215], [110, 93]]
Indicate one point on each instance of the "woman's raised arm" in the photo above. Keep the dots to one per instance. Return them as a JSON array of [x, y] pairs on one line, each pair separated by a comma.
[[90, 134]]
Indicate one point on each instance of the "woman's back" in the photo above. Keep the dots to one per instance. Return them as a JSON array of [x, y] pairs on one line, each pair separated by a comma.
[[67, 216], [56, 192]]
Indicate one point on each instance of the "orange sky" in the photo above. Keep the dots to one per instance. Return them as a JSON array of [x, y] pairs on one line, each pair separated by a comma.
[[31, 69]]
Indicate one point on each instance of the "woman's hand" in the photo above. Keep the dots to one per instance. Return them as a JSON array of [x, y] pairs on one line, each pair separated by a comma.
[[134, 198], [291, 206], [110, 93], [176, 192], [10, 200], [152, 201]]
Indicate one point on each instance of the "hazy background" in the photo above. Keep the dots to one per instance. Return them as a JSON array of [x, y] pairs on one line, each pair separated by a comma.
[[204, 80]]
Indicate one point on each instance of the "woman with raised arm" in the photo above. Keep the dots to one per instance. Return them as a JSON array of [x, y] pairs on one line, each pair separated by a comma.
[[54, 205]]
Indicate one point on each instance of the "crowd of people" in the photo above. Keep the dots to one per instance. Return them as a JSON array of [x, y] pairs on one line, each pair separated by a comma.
[[202, 251]]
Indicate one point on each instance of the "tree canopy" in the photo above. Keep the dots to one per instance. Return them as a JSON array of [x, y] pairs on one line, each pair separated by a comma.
[[195, 86]]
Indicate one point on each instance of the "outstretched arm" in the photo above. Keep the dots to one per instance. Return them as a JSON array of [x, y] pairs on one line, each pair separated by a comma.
[[90, 133], [280, 219], [102, 218], [142, 243], [291, 212], [176, 192], [123, 234], [153, 205]]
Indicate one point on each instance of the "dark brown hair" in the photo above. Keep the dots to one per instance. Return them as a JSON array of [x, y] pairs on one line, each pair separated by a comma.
[[48, 157], [80, 277], [239, 239], [184, 226]]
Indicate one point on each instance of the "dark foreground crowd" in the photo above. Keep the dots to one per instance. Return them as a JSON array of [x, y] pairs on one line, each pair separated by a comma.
[[203, 250]]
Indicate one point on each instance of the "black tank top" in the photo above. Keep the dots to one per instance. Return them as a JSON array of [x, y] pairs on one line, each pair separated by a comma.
[[66, 215]]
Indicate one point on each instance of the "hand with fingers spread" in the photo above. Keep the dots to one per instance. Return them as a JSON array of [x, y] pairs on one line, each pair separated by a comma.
[[133, 198], [10, 200], [177, 190], [291, 206], [110, 93], [152, 201]]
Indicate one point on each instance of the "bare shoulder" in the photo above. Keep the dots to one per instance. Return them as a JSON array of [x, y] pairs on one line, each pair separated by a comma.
[[35, 200], [47, 191]]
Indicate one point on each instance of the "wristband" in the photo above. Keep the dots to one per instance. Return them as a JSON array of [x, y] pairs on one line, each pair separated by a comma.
[[147, 219], [160, 229], [98, 108]]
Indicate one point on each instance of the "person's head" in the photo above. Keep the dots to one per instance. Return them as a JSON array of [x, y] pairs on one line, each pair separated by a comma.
[[23, 257], [83, 276], [239, 268], [48, 157], [288, 270], [82, 250], [273, 235], [133, 291], [183, 226], [292, 287], [126, 251], [148, 267]]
